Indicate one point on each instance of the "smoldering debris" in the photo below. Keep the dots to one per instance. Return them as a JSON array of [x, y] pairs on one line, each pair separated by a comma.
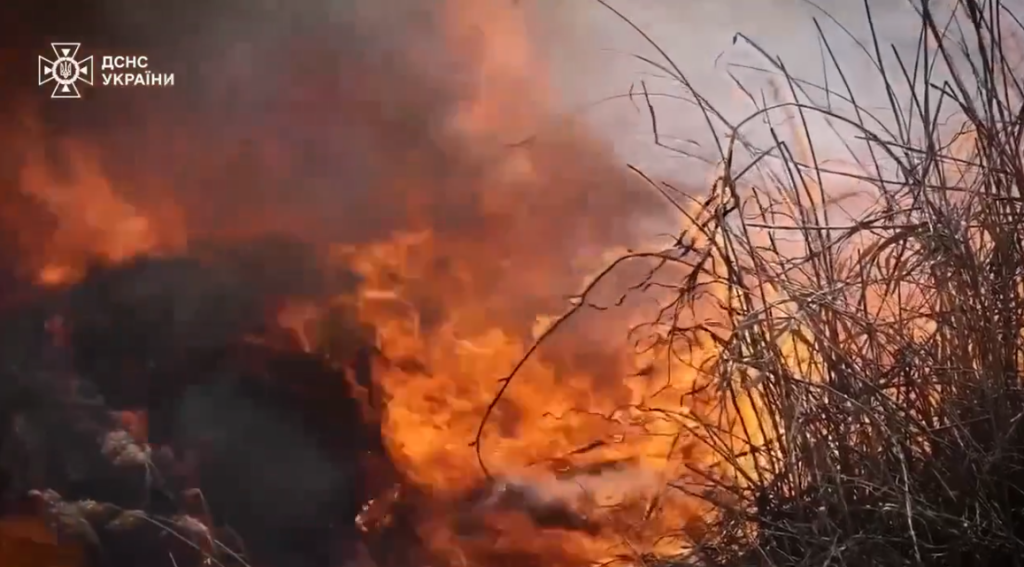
[[272, 437]]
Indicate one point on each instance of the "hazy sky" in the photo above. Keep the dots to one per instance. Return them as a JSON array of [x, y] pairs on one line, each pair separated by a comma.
[[591, 51]]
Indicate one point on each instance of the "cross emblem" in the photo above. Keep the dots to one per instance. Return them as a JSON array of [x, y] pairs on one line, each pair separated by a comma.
[[66, 70]]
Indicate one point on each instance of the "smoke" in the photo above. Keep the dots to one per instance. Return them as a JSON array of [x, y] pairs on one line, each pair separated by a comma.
[[597, 61], [339, 123], [333, 121]]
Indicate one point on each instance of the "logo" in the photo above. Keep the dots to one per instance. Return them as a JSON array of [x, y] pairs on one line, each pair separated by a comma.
[[66, 70]]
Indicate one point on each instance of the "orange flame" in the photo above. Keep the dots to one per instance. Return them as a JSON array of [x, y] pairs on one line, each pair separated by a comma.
[[92, 219], [616, 416]]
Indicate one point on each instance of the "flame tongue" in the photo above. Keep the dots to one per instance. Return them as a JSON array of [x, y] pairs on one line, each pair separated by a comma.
[[501, 213]]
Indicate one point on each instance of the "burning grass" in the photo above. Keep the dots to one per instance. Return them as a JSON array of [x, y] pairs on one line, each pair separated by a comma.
[[868, 396], [818, 386]]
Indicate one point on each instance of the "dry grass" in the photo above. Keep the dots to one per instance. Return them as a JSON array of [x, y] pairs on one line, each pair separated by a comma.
[[884, 350]]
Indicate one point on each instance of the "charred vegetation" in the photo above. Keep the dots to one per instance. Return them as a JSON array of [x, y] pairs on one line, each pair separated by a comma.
[[270, 441]]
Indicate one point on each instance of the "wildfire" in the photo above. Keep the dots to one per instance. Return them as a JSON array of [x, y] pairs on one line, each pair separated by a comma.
[[597, 427]]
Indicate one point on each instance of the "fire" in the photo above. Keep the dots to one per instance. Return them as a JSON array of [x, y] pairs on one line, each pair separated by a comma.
[[590, 423], [610, 448], [92, 220]]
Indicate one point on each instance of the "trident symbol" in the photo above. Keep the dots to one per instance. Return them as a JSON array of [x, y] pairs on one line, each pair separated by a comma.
[[66, 69]]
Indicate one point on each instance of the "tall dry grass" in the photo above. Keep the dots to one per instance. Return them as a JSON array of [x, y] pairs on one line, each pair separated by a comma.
[[878, 351]]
